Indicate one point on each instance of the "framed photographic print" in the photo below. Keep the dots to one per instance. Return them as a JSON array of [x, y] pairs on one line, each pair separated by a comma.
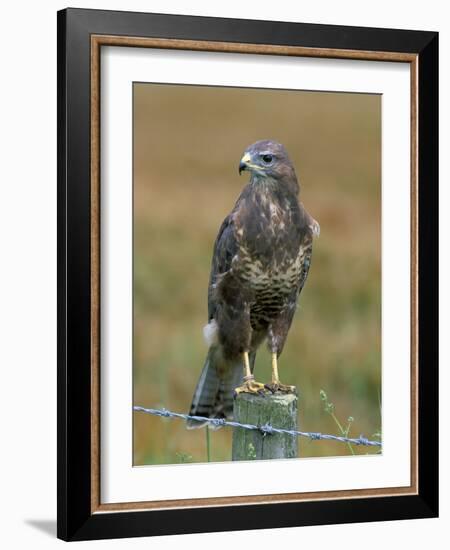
[[247, 256]]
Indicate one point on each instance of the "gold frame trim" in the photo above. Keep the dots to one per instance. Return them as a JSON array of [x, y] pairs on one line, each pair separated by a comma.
[[263, 49]]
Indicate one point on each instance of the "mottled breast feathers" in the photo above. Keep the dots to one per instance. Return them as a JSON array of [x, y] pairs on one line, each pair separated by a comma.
[[266, 244]]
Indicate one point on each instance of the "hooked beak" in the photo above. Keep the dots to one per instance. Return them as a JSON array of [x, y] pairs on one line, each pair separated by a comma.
[[243, 165]]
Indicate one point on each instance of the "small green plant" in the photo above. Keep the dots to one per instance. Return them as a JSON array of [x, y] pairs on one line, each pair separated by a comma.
[[183, 458], [251, 451], [379, 433], [329, 408]]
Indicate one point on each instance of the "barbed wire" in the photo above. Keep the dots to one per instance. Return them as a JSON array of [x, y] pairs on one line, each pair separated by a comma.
[[265, 429]]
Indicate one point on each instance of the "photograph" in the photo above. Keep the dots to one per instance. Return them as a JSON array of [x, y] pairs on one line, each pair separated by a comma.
[[256, 272], [247, 268]]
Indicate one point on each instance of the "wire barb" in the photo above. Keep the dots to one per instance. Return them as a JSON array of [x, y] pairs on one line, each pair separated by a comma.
[[266, 429]]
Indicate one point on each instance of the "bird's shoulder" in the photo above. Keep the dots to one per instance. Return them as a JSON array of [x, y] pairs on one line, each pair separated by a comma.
[[226, 243], [308, 222], [226, 247], [227, 231]]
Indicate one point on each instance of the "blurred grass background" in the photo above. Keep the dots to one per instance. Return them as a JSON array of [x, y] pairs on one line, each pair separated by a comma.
[[188, 141]]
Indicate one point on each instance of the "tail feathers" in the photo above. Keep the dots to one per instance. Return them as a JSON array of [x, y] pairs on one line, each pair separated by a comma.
[[205, 392], [213, 396], [224, 401]]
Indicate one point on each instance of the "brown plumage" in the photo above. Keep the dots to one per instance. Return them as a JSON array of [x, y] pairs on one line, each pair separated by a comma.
[[260, 263]]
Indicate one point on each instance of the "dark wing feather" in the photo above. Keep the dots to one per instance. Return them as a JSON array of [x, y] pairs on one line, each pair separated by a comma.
[[305, 264], [311, 229], [225, 248]]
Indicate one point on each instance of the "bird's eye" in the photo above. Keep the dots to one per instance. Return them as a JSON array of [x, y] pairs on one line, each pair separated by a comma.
[[267, 159]]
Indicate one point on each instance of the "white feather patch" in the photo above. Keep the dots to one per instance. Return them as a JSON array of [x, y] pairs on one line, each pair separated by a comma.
[[315, 228], [210, 333]]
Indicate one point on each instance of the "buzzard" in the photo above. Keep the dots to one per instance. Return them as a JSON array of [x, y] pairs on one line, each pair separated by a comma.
[[261, 259]]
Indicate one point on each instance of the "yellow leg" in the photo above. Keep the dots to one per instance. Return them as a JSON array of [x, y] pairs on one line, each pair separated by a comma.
[[247, 371], [276, 385], [249, 385], [275, 377]]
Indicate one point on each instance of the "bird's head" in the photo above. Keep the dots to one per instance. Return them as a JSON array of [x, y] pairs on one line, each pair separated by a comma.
[[268, 160]]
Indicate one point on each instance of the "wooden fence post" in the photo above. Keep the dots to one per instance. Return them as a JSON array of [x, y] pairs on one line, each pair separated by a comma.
[[278, 410]]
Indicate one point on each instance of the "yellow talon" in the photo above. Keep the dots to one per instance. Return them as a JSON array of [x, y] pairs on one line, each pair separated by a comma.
[[249, 385], [276, 385]]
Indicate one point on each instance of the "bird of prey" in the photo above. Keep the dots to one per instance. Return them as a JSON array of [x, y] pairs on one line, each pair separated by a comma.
[[261, 259]]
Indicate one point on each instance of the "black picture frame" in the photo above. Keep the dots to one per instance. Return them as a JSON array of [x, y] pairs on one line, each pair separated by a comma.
[[76, 521]]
